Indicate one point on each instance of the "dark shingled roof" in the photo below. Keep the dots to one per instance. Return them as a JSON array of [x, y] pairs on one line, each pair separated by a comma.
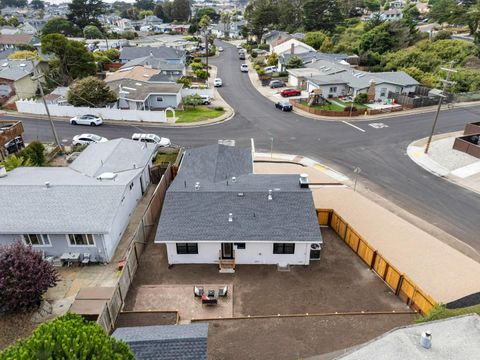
[[167, 342], [202, 215]]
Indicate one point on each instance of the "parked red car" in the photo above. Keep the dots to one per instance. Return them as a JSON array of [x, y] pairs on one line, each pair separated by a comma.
[[290, 92]]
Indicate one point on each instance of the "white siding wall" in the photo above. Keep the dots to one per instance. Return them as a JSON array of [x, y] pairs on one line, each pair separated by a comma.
[[254, 253], [339, 91], [292, 80]]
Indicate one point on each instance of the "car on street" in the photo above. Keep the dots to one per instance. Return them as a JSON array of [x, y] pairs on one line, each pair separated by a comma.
[[87, 139], [239, 47], [284, 105], [244, 68], [92, 120], [290, 92], [220, 49], [152, 138], [276, 84], [206, 99], [241, 56], [217, 82]]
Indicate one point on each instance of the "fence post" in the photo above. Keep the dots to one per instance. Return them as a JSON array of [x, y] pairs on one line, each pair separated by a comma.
[[112, 323]]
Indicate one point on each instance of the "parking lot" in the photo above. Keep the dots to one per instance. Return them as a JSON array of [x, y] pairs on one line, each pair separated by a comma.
[[338, 282]]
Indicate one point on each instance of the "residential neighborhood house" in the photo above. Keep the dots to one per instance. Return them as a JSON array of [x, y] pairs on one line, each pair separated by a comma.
[[82, 208], [218, 211], [16, 80], [170, 55]]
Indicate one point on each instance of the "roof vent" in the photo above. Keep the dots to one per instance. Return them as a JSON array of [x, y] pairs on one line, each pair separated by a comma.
[[3, 171], [230, 217], [426, 339], [303, 180], [197, 186], [234, 179], [107, 176], [270, 196], [47, 185]]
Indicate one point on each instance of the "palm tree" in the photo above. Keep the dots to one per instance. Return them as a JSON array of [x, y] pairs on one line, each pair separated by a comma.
[[226, 18]]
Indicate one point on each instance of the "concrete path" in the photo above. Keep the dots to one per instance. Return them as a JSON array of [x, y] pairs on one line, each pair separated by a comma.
[[443, 161]]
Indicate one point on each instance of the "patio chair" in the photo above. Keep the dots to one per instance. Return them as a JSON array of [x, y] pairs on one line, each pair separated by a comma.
[[57, 262], [222, 292], [198, 291], [86, 259]]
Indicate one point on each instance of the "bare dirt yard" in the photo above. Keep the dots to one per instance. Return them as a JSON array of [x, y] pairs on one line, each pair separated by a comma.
[[339, 282]]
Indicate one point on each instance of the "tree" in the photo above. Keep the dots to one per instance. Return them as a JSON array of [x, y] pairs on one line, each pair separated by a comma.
[[145, 4], [25, 277], [92, 32], [37, 4], [90, 91], [324, 15], [86, 12], [361, 98], [131, 13], [69, 337], [14, 161], [315, 39], [145, 13], [272, 59], [201, 74], [192, 100], [13, 21], [377, 40], [35, 153], [24, 55], [294, 62], [185, 81], [181, 10], [260, 14], [129, 35], [158, 12], [167, 8], [60, 26], [72, 61], [372, 5], [209, 11], [290, 15]]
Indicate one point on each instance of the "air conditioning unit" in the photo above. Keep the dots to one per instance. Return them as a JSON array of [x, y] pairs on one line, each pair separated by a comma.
[[315, 250]]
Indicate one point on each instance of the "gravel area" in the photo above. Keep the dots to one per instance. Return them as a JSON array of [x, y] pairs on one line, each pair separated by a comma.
[[442, 152]]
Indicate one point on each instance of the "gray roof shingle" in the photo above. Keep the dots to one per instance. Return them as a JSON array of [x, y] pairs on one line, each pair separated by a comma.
[[202, 215], [167, 342], [139, 90], [161, 52]]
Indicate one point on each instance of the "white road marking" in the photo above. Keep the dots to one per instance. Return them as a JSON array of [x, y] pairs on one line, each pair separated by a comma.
[[356, 127], [378, 125]]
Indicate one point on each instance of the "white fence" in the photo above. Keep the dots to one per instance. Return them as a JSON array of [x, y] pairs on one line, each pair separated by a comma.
[[208, 92], [33, 107]]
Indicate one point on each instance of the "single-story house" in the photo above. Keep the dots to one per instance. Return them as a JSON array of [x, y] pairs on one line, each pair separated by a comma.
[[275, 37], [218, 211], [57, 96], [82, 208], [291, 46], [168, 54], [16, 79], [353, 82], [232, 29], [166, 342], [313, 56], [140, 73], [142, 95], [166, 68], [12, 41]]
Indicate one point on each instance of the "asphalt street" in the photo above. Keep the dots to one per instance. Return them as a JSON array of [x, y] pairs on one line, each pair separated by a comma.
[[379, 150]]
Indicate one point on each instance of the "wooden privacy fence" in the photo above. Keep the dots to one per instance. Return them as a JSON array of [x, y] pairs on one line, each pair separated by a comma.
[[399, 282], [112, 308]]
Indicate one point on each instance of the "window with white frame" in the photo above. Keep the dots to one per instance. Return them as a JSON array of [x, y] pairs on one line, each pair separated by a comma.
[[333, 89], [36, 239], [159, 98], [80, 240], [383, 92]]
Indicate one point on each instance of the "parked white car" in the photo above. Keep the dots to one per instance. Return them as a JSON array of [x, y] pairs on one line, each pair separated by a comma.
[[244, 68], [92, 120], [220, 49], [152, 138], [217, 82], [206, 99], [270, 69], [87, 139]]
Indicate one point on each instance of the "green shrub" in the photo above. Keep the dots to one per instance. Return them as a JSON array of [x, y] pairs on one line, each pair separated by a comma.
[[261, 72], [201, 74], [187, 82], [257, 67], [253, 55], [35, 152], [197, 60], [441, 312], [68, 337], [265, 47], [197, 66], [361, 98], [218, 108]]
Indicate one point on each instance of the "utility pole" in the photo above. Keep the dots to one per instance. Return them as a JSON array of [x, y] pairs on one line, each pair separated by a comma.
[[446, 82], [38, 77], [206, 49]]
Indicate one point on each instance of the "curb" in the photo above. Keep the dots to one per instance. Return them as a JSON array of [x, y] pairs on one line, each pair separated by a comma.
[[416, 153], [305, 161]]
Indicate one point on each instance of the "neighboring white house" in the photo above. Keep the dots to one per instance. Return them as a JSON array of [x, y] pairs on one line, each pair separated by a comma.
[[82, 208], [217, 211], [292, 46]]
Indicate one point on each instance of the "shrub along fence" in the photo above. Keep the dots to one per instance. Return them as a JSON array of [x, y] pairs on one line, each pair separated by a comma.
[[112, 308], [317, 111], [399, 282]]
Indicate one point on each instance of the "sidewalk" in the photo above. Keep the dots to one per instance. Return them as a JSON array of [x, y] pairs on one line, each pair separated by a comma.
[[441, 271], [272, 94], [443, 161]]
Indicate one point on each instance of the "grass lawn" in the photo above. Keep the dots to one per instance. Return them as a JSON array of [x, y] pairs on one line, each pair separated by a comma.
[[330, 107], [199, 113], [441, 312], [164, 158], [357, 105]]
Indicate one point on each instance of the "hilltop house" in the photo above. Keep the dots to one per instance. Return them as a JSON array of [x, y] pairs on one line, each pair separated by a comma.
[[172, 70], [217, 211], [82, 208]]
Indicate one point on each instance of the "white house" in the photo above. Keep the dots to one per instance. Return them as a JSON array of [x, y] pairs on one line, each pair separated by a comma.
[[292, 46], [82, 208], [217, 211]]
